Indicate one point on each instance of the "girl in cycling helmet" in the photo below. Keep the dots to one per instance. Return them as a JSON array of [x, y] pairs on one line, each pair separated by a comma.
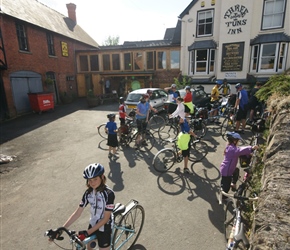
[[228, 167], [101, 199]]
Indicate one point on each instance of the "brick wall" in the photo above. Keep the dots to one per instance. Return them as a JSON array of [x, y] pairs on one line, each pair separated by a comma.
[[37, 59]]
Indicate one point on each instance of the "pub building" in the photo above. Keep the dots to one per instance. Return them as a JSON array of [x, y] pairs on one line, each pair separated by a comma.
[[244, 41]]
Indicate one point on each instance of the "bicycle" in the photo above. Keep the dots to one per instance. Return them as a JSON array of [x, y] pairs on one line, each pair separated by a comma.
[[229, 123], [155, 121], [167, 157], [128, 224], [102, 128], [234, 221], [170, 129], [146, 143]]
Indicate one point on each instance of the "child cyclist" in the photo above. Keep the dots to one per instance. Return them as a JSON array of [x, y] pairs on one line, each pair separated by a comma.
[[101, 199], [228, 167], [111, 130]]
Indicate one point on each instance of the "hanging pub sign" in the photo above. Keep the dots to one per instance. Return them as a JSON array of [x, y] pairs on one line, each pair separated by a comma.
[[232, 56], [64, 49], [235, 19]]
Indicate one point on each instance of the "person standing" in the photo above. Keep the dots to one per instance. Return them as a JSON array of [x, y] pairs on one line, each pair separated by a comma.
[[107, 86], [241, 106], [111, 130], [142, 114], [214, 100], [228, 167], [173, 94], [253, 102], [188, 105], [122, 111], [225, 87], [101, 199]]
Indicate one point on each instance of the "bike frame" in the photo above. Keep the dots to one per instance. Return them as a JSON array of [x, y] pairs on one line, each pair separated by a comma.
[[115, 227]]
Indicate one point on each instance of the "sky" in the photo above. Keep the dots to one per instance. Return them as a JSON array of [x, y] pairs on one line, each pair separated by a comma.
[[130, 20]]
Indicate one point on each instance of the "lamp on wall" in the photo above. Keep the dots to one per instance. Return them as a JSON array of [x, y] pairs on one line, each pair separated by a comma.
[[190, 20]]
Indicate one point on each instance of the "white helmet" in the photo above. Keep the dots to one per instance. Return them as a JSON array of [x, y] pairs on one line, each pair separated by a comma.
[[93, 170]]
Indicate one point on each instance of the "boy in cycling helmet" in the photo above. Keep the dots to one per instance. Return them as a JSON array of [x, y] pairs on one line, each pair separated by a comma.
[[111, 130], [228, 167], [101, 199]]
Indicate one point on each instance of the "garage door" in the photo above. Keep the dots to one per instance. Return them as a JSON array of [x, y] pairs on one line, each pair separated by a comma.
[[24, 82]]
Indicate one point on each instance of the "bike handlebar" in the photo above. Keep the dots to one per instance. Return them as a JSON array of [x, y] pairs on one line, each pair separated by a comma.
[[236, 196], [57, 232]]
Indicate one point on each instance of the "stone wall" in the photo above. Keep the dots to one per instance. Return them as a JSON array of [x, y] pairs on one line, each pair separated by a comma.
[[271, 229]]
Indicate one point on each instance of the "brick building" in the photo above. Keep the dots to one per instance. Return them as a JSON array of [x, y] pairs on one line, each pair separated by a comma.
[[37, 43]]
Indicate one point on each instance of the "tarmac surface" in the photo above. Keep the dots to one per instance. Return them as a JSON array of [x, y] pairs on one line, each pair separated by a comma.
[[43, 185]]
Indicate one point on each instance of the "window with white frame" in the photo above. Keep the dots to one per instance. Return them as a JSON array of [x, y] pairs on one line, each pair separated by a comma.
[[273, 14], [205, 23], [269, 57], [202, 61]]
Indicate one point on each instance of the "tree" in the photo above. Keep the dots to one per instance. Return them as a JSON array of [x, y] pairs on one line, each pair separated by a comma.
[[110, 41]]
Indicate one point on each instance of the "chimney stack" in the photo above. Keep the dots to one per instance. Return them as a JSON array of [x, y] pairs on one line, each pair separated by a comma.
[[71, 9]]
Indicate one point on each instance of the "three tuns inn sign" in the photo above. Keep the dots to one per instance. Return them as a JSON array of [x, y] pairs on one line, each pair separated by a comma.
[[235, 19]]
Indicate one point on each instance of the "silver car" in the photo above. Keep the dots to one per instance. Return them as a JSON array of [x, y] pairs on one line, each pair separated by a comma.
[[157, 99]]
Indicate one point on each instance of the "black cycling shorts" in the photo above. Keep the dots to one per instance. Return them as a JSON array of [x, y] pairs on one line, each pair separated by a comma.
[[104, 238]]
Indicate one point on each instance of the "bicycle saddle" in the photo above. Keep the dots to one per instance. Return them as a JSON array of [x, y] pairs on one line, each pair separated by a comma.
[[118, 209]]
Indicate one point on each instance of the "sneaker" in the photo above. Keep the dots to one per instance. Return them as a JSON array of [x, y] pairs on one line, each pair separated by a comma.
[[144, 143], [115, 157], [186, 171], [136, 147]]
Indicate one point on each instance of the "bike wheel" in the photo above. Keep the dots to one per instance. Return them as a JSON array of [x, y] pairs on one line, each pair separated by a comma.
[[133, 220], [198, 151], [167, 131], [155, 122], [227, 125], [229, 219], [148, 142], [102, 131], [164, 160]]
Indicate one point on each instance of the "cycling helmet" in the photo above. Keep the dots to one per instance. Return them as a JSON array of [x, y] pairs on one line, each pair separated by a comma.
[[218, 82], [93, 170], [111, 116], [149, 91], [173, 85], [238, 85], [234, 135], [121, 99], [187, 88]]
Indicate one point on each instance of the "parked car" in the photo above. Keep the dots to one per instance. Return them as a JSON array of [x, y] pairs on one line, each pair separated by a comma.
[[157, 99], [199, 97]]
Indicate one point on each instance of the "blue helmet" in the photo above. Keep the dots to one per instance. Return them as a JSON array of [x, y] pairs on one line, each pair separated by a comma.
[[93, 170], [234, 135], [219, 82]]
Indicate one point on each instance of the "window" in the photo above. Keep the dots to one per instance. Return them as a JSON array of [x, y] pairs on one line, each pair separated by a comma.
[[254, 60], [202, 61], [106, 62], [205, 23], [270, 57], [150, 60], [273, 15], [116, 61], [50, 44], [138, 61], [127, 61], [161, 60], [84, 66], [21, 35], [174, 59], [94, 61]]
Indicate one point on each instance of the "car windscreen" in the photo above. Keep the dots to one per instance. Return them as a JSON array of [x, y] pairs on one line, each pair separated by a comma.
[[133, 97]]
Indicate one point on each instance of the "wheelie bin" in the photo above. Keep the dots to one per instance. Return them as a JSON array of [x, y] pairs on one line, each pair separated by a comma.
[[41, 101]]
